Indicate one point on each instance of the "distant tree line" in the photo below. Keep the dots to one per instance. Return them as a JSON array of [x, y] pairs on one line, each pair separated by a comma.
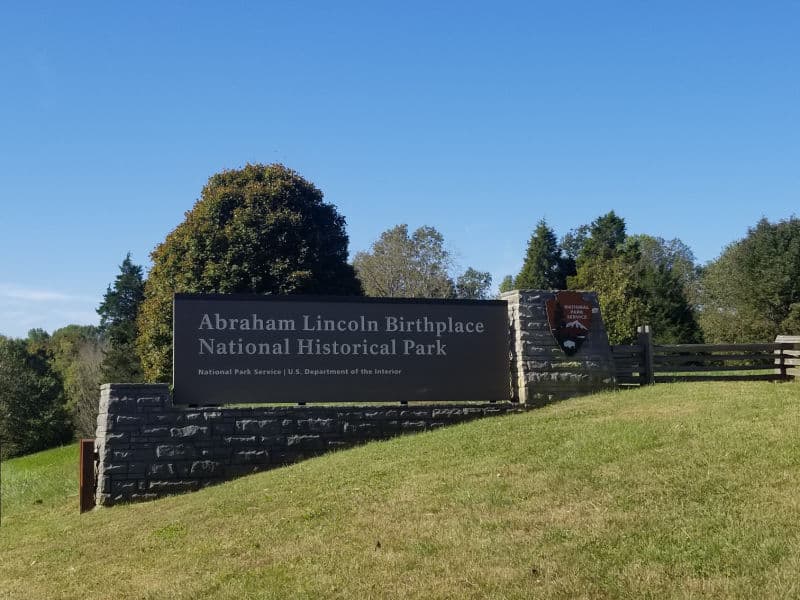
[[264, 229], [750, 293]]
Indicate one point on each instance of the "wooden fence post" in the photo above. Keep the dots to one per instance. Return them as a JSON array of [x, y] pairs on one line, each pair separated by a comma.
[[645, 340]]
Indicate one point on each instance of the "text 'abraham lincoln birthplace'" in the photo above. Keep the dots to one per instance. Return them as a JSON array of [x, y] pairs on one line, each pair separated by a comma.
[[280, 349]]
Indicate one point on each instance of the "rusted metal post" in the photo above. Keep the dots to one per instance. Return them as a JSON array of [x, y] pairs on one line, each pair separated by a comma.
[[87, 481]]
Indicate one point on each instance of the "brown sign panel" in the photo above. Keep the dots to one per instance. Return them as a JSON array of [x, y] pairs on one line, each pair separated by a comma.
[[570, 319], [249, 348]]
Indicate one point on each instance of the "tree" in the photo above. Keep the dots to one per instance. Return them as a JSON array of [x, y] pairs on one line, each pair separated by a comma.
[[403, 266], [262, 229], [615, 281], [32, 412], [544, 266], [507, 284], [666, 307], [605, 235], [118, 312], [473, 284], [85, 387], [77, 355], [640, 279], [667, 285], [751, 292]]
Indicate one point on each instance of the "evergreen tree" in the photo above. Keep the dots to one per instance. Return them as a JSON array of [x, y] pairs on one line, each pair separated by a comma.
[[666, 308], [543, 268], [507, 284], [605, 235], [118, 313], [639, 280]]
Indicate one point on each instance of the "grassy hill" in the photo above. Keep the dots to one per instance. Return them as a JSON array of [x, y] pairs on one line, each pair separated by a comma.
[[677, 490]]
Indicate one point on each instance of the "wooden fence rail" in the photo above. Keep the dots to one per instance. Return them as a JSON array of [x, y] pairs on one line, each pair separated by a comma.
[[644, 363]]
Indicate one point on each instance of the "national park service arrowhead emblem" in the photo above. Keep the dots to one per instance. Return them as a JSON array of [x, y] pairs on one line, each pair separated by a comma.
[[570, 319]]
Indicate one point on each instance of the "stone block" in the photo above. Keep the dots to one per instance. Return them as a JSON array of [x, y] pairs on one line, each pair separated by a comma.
[[239, 440], [172, 487], [121, 405], [250, 457], [162, 470], [150, 401], [124, 486], [272, 440], [205, 468], [419, 413], [156, 431], [137, 468], [447, 413], [304, 441], [316, 425], [190, 432], [413, 426], [167, 451]]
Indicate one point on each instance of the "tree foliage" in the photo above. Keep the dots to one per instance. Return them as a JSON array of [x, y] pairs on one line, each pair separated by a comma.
[[606, 234], [33, 415], [506, 284], [639, 280], [751, 293], [118, 312], [261, 229], [545, 268], [77, 353], [473, 285], [399, 265]]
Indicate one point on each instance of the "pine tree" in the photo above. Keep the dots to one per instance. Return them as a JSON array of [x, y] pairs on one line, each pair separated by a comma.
[[507, 284], [543, 268], [118, 313]]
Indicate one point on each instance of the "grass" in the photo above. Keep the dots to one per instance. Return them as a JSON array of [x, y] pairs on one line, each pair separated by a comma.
[[675, 490]]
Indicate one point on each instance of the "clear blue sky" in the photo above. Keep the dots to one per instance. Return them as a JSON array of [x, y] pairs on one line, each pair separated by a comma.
[[476, 118]]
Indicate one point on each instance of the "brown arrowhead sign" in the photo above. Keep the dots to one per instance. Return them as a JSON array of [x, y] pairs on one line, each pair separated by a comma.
[[570, 319]]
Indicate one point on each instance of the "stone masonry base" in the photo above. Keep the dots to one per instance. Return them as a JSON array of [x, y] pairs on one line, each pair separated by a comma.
[[149, 448]]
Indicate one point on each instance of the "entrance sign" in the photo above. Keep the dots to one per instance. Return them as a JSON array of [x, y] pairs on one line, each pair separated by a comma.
[[251, 348], [570, 319]]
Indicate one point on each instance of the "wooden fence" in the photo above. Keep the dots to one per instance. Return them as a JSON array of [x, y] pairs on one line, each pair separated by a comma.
[[644, 363]]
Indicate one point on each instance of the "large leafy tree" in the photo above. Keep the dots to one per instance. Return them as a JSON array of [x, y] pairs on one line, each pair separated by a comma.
[[545, 267], [473, 284], [639, 279], [261, 229], [752, 291], [78, 352], [33, 415], [400, 265], [118, 312]]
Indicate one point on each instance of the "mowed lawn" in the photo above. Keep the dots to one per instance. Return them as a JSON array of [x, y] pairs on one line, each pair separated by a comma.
[[677, 490]]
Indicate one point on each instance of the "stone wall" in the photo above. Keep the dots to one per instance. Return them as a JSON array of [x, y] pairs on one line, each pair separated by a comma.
[[148, 448], [540, 371]]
